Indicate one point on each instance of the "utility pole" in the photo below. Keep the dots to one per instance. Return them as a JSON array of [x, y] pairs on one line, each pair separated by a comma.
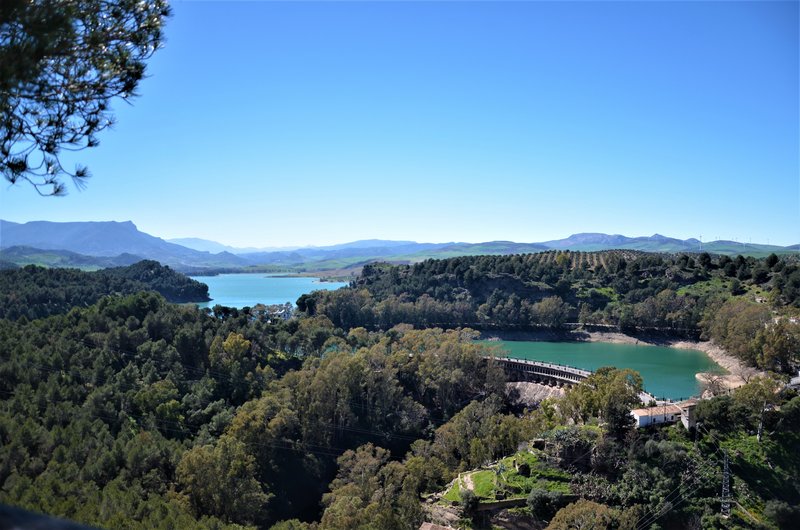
[[725, 508]]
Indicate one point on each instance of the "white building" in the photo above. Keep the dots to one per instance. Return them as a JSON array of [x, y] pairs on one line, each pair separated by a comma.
[[667, 413], [687, 413]]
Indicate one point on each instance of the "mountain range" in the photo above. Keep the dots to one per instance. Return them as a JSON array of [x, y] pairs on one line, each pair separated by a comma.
[[109, 243]]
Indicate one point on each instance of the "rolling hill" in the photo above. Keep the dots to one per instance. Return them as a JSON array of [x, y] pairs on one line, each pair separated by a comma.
[[91, 245], [20, 255], [108, 239]]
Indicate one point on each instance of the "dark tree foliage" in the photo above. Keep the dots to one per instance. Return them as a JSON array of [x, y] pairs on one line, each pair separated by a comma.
[[632, 291], [544, 504], [721, 414], [786, 282], [155, 408], [172, 285], [34, 292], [133, 412], [61, 63]]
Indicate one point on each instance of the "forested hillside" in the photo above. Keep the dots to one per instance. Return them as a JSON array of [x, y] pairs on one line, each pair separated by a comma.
[[676, 295], [33, 292], [137, 413], [134, 412]]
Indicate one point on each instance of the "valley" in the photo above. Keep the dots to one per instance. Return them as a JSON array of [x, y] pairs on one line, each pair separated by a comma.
[[379, 389], [399, 265]]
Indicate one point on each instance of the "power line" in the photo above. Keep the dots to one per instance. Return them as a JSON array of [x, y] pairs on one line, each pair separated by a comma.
[[680, 500], [703, 465], [725, 497], [725, 508], [649, 519]]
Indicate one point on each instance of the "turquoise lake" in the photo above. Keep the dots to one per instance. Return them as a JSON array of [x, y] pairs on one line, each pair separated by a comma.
[[667, 372], [247, 290]]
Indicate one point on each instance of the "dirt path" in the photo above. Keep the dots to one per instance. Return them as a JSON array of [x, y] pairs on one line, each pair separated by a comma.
[[466, 480]]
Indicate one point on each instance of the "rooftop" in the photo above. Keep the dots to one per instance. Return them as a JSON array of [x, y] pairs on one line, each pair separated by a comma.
[[657, 411]]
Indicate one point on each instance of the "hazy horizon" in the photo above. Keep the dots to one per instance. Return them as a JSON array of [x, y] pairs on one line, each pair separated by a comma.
[[273, 124]]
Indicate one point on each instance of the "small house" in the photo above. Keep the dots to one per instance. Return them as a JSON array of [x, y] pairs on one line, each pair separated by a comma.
[[667, 413]]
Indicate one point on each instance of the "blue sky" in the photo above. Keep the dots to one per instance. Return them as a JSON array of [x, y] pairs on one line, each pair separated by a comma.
[[290, 123]]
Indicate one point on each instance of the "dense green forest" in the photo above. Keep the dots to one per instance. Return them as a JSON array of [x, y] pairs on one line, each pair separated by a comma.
[[726, 299], [33, 292], [138, 413], [374, 407], [147, 410]]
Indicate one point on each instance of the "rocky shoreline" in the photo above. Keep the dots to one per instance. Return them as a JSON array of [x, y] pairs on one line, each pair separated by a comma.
[[737, 373]]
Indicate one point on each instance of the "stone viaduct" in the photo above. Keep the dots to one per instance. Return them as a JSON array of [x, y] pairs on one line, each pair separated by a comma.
[[541, 372], [553, 374]]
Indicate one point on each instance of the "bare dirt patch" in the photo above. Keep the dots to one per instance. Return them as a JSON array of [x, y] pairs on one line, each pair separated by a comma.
[[531, 394], [467, 483]]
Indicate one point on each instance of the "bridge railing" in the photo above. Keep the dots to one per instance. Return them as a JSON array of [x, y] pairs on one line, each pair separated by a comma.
[[553, 366], [645, 396]]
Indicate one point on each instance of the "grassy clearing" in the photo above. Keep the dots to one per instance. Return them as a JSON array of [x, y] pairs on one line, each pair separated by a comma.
[[760, 466], [585, 290], [513, 477], [715, 285], [608, 292], [454, 493], [484, 482], [722, 287], [542, 475]]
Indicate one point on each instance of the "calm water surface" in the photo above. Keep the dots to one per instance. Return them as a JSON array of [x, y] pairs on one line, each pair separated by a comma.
[[667, 372], [242, 290]]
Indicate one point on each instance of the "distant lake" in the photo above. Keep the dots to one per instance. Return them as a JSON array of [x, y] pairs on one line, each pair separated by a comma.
[[667, 372], [247, 290]]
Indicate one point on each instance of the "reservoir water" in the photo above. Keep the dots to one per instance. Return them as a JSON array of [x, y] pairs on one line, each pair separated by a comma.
[[241, 290], [667, 372]]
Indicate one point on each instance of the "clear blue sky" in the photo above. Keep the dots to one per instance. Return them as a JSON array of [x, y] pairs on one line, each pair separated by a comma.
[[289, 123]]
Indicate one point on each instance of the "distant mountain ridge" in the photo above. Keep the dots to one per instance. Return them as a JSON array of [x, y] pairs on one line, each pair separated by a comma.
[[19, 255], [108, 239], [108, 243], [597, 241], [206, 245]]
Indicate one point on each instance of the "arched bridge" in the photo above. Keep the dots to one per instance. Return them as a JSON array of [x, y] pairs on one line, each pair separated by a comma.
[[541, 372], [553, 374]]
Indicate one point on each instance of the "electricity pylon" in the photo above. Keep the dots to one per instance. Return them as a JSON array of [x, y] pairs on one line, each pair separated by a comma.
[[725, 509]]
